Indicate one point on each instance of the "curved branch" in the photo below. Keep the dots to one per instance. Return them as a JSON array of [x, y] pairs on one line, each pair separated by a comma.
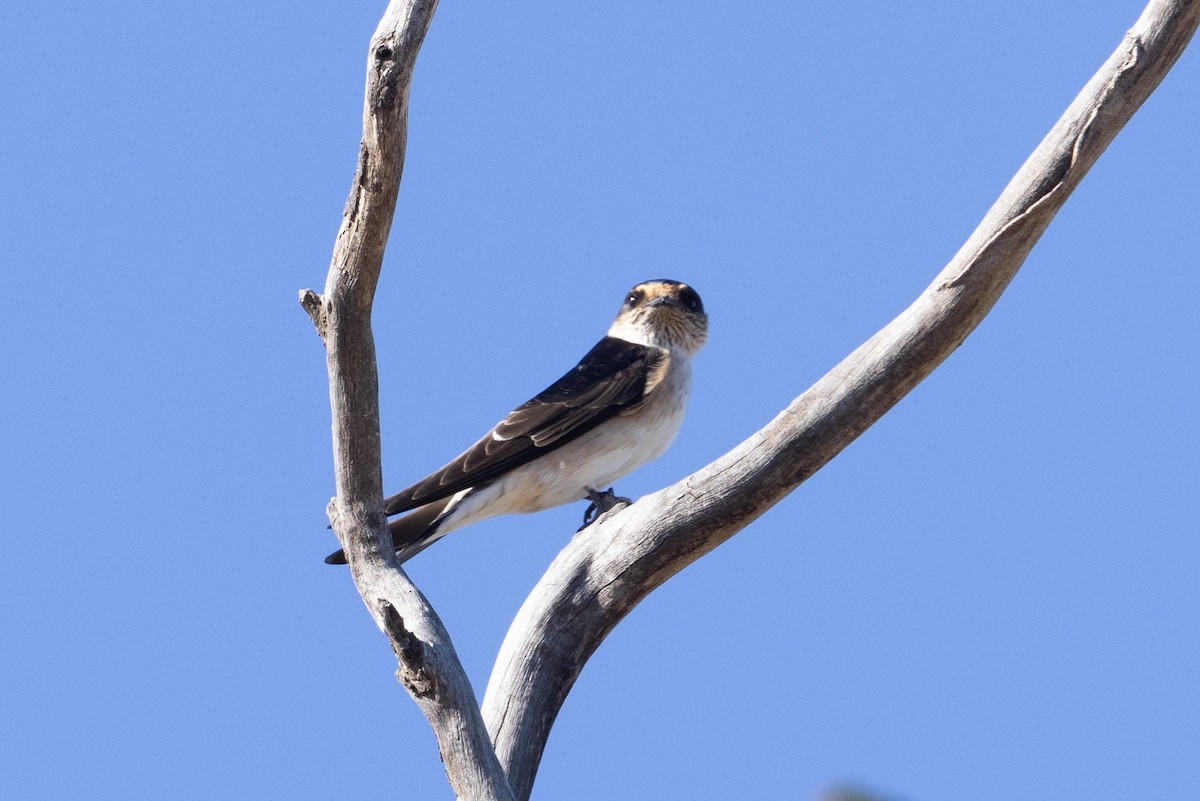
[[428, 666], [610, 567]]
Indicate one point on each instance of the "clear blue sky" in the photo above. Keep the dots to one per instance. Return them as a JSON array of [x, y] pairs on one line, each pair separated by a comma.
[[993, 594]]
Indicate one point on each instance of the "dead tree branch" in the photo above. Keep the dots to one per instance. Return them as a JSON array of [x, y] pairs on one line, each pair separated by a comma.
[[610, 567], [428, 665]]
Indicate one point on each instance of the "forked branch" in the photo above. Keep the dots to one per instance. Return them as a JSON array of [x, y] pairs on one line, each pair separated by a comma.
[[610, 566]]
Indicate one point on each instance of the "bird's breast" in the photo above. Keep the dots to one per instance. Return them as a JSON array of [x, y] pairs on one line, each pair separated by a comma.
[[596, 459]]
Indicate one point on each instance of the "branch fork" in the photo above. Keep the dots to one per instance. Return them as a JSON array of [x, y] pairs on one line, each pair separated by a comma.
[[493, 751]]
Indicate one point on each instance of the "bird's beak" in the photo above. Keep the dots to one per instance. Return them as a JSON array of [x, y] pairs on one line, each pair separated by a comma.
[[663, 300]]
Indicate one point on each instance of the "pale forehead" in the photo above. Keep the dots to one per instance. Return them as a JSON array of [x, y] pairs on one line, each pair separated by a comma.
[[654, 289]]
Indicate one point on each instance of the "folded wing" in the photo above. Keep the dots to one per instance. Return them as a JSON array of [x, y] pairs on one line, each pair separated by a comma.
[[613, 378]]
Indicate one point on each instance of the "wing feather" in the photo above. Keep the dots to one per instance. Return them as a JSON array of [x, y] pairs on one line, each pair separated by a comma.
[[613, 378]]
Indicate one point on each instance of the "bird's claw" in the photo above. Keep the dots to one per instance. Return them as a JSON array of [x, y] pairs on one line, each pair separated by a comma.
[[601, 503]]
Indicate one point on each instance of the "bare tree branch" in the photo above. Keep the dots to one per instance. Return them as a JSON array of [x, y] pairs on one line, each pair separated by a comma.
[[428, 665], [611, 566]]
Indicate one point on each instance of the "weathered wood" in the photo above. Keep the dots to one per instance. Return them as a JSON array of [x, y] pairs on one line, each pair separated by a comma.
[[428, 666], [611, 566]]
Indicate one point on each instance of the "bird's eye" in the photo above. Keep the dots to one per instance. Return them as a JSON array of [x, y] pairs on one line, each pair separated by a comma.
[[690, 299], [631, 299]]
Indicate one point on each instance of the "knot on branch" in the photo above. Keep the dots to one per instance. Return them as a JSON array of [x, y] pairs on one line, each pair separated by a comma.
[[386, 77], [312, 303], [412, 654]]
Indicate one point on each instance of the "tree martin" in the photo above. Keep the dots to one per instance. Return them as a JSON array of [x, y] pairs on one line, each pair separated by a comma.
[[616, 410]]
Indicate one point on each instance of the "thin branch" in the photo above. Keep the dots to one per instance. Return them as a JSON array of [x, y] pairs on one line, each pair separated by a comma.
[[428, 665], [611, 566]]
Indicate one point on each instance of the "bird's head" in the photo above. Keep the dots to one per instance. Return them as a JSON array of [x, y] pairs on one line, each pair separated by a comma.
[[662, 314]]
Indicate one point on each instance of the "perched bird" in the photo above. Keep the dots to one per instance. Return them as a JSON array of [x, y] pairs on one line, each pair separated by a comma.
[[619, 408]]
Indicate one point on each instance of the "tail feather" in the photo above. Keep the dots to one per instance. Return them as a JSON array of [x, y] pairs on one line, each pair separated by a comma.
[[411, 534]]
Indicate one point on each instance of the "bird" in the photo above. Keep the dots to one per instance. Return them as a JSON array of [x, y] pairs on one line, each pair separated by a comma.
[[617, 409]]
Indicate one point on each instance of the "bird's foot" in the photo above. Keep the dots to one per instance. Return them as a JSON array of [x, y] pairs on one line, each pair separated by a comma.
[[601, 504]]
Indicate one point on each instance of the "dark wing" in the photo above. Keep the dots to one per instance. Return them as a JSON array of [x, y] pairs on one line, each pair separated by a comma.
[[614, 377]]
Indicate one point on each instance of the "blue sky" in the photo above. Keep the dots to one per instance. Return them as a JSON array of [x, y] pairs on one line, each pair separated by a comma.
[[992, 594]]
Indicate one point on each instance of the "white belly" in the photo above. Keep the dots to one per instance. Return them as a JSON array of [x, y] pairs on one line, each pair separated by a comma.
[[593, 461]]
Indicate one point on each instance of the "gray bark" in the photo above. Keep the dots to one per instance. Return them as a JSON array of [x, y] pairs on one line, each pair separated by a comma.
[[428, 665], [610, 566]]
